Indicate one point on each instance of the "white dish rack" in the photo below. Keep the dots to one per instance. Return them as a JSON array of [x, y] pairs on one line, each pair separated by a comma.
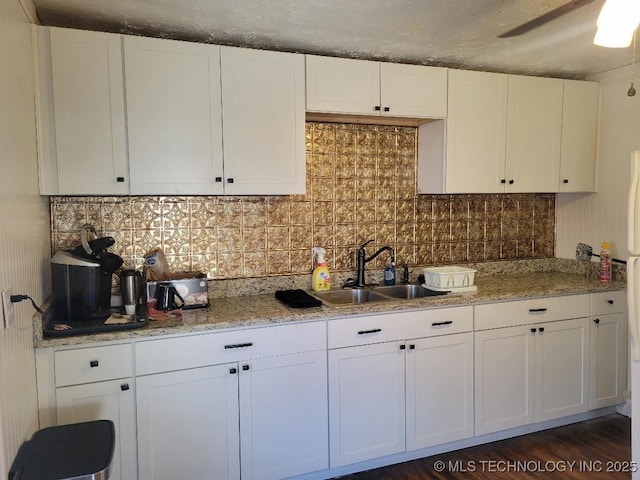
[[450, 278]]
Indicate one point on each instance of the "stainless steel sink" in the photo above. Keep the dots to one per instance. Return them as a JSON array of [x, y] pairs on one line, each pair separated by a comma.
[[350, 297], [358, 296], [407, 291]]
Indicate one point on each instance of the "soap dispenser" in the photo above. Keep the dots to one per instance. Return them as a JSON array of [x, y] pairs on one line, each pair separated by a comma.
[[389, 275]]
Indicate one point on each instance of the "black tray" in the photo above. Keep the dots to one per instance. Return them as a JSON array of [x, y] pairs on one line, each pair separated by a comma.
[[93, 326]]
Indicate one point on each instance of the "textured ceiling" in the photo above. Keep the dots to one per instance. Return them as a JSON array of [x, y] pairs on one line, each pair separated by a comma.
[[456, 33]]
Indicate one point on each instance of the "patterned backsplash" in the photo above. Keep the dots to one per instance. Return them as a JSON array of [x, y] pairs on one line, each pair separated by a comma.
[[361, 185]]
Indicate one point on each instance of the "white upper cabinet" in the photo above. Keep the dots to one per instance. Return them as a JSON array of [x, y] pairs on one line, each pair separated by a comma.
[[342, 85], [579, 136], [360, 87], [534, 126], [82, 141], [263, 121], [503, 135], [170, 141], [413, 90], [476, 132], [174, 116]]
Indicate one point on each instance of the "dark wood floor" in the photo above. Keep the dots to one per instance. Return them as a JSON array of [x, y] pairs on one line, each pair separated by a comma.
[[595, 449]]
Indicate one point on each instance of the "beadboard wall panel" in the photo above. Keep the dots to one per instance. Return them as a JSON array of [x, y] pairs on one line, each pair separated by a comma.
[[599, 217], [24, 236]]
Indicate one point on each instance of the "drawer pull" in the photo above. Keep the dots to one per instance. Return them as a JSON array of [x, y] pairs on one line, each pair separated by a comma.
[[239, 345], [124, 387], [610, 302], [412, 347], [374, 330], [533, 330], [596, 321], [537, 310], [437, 324], [541, 329], [233, 371], [94, 363], [402, 347], [245, 367]]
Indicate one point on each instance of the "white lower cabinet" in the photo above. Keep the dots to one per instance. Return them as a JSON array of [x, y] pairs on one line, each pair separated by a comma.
[[608, 348], [367, 402], [439, 390], [530, 373], [283, 416], [504, 382], [399, 395], [110, 400], [608, 359], [188, 424], [249, 418], [96, 384], [562, 369]]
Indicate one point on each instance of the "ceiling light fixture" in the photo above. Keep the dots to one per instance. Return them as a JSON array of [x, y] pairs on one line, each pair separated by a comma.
[[617, 22]]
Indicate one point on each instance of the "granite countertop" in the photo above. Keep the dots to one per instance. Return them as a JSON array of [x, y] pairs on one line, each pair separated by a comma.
[[262, 310]]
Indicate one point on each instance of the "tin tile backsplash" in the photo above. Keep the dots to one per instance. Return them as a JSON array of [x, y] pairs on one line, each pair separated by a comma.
[[361, 184]]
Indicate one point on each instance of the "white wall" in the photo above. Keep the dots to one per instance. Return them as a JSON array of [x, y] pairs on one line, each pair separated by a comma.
[[600, 217], [24, 228]]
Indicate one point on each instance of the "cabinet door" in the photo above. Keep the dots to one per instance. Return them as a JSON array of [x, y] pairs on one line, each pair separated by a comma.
[[342, 85], [534, 129], [413, 90], [476, 129], [608, 360], [284, 416], [366, 402], [188, 424], [88, 97], [504, 379], [439, 390], [562, 369], [263, 122], [112, 400], [173, 116], [580, 104]]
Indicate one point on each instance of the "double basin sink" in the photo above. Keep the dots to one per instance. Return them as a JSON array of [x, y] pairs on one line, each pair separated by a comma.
[[358, 296]]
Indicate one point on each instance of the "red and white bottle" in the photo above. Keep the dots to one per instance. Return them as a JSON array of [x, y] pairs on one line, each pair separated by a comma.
[[605, 262]]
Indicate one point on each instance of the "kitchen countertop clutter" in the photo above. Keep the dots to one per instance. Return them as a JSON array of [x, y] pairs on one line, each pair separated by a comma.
[[507, 281]]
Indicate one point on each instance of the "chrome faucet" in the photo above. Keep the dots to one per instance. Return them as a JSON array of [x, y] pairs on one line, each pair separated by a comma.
[[363, 260]]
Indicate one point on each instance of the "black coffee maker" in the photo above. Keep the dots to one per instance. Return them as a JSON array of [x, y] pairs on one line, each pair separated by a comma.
[[82, 280]]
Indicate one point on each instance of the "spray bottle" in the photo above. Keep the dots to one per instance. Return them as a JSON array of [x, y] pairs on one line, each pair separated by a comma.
[[320, 278]]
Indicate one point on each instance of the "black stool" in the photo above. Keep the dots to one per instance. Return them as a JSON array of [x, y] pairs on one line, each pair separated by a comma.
[[81, 451]]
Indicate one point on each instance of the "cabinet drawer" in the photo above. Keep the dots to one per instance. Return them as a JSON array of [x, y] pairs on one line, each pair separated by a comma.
[[443, 321], [87, 365], [347, 332], [155, 356], [522, 312], [608, 302]]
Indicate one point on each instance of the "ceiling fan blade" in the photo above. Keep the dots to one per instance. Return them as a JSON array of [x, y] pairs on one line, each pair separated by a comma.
[[542, 19]]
